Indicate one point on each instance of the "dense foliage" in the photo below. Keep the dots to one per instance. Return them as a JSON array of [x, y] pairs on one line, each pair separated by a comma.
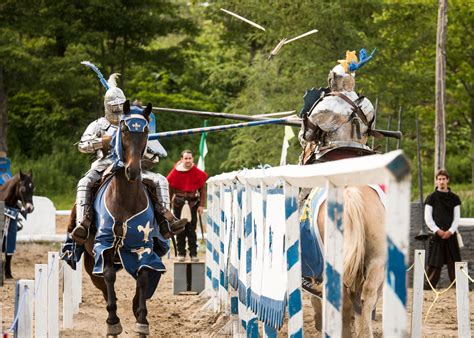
[[181, 54]]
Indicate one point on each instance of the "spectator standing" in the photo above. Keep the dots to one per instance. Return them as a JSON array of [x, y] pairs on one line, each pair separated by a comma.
[[187, 190], [442, 215]]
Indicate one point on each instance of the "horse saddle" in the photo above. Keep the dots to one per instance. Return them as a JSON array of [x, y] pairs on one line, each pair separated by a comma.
[[336, 150]]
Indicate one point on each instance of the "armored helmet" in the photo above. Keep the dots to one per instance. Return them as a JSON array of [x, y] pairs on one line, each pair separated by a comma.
[[339, 78], [113, 100]]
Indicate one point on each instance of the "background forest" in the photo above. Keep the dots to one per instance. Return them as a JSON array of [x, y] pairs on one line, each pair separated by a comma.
[[190, 55]]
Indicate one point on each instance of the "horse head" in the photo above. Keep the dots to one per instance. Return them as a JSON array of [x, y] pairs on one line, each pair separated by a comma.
[[25, 190], [134, 129]]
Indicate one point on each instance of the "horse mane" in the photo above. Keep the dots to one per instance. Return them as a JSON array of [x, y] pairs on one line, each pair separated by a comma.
[[7, 190]]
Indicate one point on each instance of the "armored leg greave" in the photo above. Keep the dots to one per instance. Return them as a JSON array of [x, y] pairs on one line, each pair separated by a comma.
[[172, 225], [162, 188], [84, 196]]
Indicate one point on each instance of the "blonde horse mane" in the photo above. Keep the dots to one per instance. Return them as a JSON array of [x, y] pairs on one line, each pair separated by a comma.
[[354, 238]]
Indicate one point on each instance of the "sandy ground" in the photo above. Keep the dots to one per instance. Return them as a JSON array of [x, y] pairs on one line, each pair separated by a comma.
[[177, 315]]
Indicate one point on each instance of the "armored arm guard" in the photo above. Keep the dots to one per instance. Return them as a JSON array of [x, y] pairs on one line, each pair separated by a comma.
[[91, 140]]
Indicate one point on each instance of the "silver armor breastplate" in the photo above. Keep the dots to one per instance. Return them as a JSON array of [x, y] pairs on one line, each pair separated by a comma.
[[334, 116]]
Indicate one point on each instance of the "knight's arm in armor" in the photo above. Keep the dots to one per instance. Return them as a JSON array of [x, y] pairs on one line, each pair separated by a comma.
[[93, 140]]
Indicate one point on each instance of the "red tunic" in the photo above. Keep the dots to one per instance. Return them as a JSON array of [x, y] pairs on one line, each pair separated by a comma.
[[188, 181], [182, 182]]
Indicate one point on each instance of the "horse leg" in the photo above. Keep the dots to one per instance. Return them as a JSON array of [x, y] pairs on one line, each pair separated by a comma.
[[318, 313], [370, 293], [8, 266], [98, 282], [139, 304], [347, 314], [114, 327]]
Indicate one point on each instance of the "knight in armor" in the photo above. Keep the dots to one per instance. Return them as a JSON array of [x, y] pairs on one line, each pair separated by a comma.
[[96, 139], [336, 120]]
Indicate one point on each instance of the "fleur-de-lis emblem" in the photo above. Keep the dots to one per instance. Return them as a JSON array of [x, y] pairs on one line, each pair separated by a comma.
[[136, 125], [140, 252], [146, 230]]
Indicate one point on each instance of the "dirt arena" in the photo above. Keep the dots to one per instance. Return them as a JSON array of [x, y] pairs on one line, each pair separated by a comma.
[[171, 315]]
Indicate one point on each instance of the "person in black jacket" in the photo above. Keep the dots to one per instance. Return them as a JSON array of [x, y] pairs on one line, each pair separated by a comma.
[[442, 214]]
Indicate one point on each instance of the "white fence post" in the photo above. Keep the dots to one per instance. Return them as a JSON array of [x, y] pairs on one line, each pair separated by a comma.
[[53, 294], [24, 308], [77, 285], [68, 295], [41, 300], [462, 300], [395, 285], [333, 249], [417, 306]]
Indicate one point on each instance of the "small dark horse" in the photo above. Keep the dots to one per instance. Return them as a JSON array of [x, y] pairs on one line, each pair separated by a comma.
[[124, 197], [17, 193]]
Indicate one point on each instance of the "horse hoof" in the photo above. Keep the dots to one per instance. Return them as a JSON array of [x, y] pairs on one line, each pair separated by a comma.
[[143, 329], [114, 329]]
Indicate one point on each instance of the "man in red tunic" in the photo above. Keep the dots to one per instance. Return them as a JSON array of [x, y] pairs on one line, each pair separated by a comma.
[[188, 194]]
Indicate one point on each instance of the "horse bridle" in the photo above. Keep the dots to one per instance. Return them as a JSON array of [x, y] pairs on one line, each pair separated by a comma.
[[130, 122]]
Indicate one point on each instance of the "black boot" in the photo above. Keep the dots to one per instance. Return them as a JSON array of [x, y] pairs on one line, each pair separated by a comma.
[[171, 225], [81, 231], [8, 267]]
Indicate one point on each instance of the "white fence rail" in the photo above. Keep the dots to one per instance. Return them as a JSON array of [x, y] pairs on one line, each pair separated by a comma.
[[239, 203]]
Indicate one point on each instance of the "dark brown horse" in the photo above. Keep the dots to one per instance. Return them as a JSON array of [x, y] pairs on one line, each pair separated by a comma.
[[17, 193], [124, 197]]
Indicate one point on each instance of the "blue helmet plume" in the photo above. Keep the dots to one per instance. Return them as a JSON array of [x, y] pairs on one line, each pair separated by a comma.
[[97, 71]]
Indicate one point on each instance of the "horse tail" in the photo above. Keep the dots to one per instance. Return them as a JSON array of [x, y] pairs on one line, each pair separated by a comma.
[[354, 237]]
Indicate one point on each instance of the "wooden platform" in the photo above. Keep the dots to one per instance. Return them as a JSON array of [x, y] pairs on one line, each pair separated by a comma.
[[188, 278]]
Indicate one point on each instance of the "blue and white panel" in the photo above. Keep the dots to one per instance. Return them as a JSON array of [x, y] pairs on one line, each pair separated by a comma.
[[235, 235], [272, 305], [247, 317], [397, 220], [293, 259], [228, 225], [216, 245], [233, 258], [333, 268], [242, 266], [258, 245], [209, 235], [225, 201]]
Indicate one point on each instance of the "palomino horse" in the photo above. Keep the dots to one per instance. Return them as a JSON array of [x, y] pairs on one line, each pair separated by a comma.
[[121, 203], [17, 193], [365, 254]]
